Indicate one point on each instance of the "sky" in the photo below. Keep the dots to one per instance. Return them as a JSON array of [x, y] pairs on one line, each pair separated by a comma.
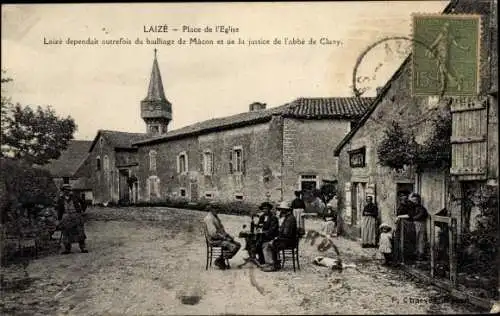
[[101, 86]]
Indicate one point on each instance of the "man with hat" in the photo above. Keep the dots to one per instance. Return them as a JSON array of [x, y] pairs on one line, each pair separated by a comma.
[[218, 237], [72, 223], [287, 238], [269, 224]]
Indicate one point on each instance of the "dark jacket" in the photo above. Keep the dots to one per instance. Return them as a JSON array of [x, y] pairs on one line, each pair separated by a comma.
[[270, 226], [420, 213], [370, 210], [60, 206], [288, 229], [405, 208], [298, 203]]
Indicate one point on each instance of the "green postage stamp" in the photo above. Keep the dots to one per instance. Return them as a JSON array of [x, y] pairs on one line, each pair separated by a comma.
[[445, 55]]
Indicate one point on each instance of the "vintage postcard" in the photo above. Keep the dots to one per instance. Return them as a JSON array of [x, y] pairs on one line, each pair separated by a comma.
[[249, 158]]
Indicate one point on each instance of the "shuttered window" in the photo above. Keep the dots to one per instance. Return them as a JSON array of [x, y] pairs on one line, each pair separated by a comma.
[[469, 138]]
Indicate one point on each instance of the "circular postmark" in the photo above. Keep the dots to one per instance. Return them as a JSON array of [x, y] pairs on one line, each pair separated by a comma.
[[397, 46], [374, 63]]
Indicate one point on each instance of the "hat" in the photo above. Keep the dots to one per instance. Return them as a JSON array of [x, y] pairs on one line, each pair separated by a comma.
[[384, 225], [66, 187], [298, 192], [265, 205], [284, 205]]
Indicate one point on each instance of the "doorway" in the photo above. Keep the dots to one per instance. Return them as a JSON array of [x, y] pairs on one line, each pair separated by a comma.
[[123, 185], [402, 188], [358, 197]]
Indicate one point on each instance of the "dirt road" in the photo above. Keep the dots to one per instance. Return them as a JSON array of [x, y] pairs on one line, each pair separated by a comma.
[[144, 261]]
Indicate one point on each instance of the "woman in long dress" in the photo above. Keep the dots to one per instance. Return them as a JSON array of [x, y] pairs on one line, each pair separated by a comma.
[[369, 226]]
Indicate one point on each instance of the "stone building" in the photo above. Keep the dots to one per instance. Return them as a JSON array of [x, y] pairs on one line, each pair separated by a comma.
[[110, 162], [474, 141], [262, 154]]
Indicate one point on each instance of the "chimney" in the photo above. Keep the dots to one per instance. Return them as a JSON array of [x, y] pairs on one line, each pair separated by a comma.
[[379, 89], [257, 106]]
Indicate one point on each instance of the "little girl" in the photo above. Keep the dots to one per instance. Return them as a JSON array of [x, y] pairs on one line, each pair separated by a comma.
[[385, 243]]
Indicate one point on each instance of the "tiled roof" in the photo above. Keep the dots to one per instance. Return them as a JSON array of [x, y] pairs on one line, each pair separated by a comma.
[[310, 108], [119, 139], [123, 139], [315, 108], [70, 159]]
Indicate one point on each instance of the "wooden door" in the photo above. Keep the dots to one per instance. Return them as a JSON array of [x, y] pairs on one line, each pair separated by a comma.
[[469, 138]]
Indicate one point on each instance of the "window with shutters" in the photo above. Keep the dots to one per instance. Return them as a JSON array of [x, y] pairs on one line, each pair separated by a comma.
[[182, 163], [469, 138], [152, 160], [236, 162], [208, 162]]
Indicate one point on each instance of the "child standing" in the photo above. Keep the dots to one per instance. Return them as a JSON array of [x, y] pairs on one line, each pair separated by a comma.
[[385, 243]]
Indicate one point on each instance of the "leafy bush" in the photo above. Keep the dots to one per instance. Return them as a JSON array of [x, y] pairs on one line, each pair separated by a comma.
[[436, 150], [24, 186], [397, 148]]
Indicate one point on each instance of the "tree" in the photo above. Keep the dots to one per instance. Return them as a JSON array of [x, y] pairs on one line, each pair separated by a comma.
[[33, 135]]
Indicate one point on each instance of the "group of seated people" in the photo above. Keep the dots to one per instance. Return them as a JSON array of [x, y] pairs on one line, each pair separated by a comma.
[[270, 238]]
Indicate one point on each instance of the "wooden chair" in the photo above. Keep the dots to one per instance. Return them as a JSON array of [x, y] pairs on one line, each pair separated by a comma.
[[292, 252], [212, 250]]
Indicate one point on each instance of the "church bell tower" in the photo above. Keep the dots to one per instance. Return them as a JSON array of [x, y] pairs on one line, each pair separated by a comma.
[[156, 110]]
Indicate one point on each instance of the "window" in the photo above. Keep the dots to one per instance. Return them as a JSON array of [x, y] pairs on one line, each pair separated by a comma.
[[98, 163], [154, 129], [238, 196], [208, 163], [65, 180], [308, 182], [208, 195], [154, 187], [106, 163], [236, 160], [152, 160], [182, 163], [101, 142], [183, 192]]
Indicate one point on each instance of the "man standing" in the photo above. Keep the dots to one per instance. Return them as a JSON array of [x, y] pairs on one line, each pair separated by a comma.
[[419, 219], [287, 238], [299, 207], [218, 237], [269, 224], [72, 223]]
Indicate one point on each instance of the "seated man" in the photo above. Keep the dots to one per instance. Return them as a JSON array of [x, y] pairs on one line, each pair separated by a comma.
[[287, 238], [269, 224], [218, 237]]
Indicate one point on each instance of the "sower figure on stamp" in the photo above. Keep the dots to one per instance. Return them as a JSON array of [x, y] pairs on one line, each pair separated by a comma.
[[72, 223], [439, 51], [218, 237]]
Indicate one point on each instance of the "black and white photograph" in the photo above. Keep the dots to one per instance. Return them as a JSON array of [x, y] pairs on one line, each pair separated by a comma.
[[249, 158]]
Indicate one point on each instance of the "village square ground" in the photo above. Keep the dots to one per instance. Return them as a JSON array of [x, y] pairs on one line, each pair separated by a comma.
[[143, 261]]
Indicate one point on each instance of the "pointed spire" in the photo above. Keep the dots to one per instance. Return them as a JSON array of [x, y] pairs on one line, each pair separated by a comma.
[[155, 90]]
